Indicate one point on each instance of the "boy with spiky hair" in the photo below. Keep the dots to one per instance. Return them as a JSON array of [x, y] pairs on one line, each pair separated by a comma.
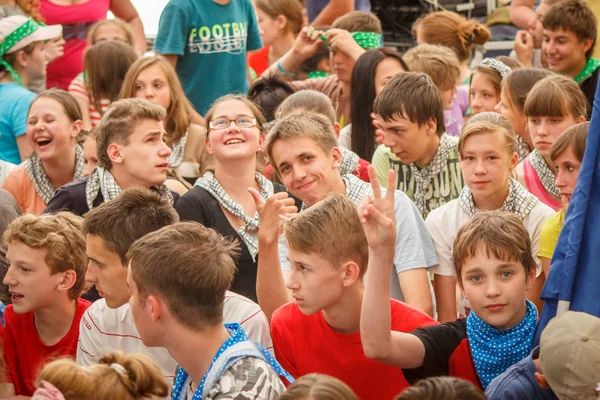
[[45, 278]]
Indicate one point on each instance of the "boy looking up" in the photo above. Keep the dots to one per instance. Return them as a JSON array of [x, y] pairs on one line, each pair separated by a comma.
[[410, 114], [131, 154], [180, 308], [303, 150], [495, 268], [45, 278], [570, 29], [110, 229], [319, 330]]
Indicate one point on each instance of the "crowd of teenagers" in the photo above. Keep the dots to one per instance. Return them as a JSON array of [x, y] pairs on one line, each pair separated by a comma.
[[265, 208]]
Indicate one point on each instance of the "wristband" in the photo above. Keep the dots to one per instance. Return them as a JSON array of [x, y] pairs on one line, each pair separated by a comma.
[[280, 68]]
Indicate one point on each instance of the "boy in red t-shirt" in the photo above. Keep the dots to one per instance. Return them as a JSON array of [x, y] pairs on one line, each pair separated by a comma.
[[319, 330], [495, 269], [45, 278]]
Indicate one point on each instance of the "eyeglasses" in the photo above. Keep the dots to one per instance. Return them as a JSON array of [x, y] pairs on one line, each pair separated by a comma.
[[241, 122]]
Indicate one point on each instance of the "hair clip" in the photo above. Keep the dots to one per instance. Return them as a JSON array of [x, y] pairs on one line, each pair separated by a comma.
[[119, 368], [497, 66]]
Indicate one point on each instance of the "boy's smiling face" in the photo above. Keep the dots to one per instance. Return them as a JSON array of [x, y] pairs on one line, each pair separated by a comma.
[[496, 288], [566, 54]]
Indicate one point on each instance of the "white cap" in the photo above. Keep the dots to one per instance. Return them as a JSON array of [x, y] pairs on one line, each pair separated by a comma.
[[10, 24]]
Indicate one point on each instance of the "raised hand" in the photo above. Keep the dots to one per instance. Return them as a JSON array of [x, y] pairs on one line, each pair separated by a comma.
[[524, 44], [279, 207], [342, 40], [307, 42], [378, 130], [378, 215]]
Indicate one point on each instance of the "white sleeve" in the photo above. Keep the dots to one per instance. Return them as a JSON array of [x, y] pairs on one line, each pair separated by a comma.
[[345, 139], [442, 242], [257, 328], [89, 344], [284, 263]]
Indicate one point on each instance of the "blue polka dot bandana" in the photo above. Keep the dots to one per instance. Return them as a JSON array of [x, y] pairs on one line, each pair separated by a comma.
[[493, 351]]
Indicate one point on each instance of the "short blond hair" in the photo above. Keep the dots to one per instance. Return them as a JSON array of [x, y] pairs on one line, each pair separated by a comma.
[[142, 378], [498, 233], [317, 230], [489, 122], [190, 267], [119, 122], [306, 125], [60, 235], [439, 62]]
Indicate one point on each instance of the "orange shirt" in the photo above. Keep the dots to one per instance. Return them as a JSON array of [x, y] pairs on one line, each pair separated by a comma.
[[22, 189]]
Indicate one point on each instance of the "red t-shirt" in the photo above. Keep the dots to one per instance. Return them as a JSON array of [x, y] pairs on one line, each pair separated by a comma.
[[259, 61], [306, 344], [25, 353]]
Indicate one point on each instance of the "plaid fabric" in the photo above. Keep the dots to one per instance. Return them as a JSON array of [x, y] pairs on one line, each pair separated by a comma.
[[247, 232], [544, 173], [355, 189], [349, 161], [43, 186], [424, 176], [101, 180], [522, 148], [176, 157], [519, 201]]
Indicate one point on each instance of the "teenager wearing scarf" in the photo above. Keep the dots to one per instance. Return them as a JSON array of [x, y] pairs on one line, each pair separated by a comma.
[[22, 60], [488, 157], [554, 104], [131, 153], [220, 198], [410, 114], [570, 29], [53, 124], [495, 269]]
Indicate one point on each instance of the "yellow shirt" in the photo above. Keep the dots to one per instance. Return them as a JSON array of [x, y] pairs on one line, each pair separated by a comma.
[[549, 235]]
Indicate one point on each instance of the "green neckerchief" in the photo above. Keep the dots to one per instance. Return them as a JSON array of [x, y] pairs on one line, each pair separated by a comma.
[[317, 74], [11, 40], [366, 40], [590, 67]]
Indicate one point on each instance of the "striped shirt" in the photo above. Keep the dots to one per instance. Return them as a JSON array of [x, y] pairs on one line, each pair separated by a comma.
[[79, 89]]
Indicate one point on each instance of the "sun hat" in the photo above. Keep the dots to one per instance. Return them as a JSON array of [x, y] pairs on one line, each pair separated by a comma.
[[17, 32]]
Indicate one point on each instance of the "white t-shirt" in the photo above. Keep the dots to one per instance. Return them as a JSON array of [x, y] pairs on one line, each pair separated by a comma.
[[345, 139], [444, 222], [104, 329]]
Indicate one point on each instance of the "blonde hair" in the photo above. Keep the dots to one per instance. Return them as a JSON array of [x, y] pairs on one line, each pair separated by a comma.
[[179, 117], [116, 376], [499, 233], [307, 100], [60, 235], [317, 230], [439, 62], [489, 122], [318, 387], [556, 96], [452, 30], [358, 21], [119, 121], [290, 9], [309, 125], [118, 23]]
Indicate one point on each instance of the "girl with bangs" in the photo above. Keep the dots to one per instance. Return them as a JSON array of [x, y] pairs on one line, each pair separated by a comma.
[[488, 158], [554, 104], [154, 79], [221, 199]]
